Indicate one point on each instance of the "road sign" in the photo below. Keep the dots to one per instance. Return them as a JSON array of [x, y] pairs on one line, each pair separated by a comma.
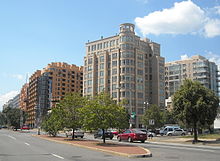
[[151, 122]]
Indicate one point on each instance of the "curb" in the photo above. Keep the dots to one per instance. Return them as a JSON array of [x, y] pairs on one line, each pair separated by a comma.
[[145, 155]]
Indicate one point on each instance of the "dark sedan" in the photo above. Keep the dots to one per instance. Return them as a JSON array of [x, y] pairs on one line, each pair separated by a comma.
[[99, 134]]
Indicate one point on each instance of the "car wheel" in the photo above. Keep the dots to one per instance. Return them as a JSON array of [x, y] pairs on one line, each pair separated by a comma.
[[142, 141], [81, 136], [130, 140], [150, 136], [119, 138], [111, 138], [169, 134], [183, 134]]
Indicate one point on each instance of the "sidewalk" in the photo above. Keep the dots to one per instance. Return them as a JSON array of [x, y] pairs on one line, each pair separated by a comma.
[[186, 141], [113, 148]]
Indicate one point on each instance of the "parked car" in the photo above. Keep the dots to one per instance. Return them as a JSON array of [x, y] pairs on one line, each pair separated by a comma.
[[25, 127], [114, 131], [132, 135], [77, 133], [149, 133], [99, 134], [177, 132], [167, 129]]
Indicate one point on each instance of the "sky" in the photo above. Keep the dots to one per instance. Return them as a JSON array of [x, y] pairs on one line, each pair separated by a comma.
[[34, 33]]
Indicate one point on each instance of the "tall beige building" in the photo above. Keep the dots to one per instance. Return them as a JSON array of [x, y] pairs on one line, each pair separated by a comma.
[[195, 68], [128, 68]]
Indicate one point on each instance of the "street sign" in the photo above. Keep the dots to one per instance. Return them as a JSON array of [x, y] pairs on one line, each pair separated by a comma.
[[151, 122]]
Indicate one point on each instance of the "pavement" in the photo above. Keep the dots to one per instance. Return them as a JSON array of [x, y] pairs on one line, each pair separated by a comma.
[[130, 151], [184, 141]]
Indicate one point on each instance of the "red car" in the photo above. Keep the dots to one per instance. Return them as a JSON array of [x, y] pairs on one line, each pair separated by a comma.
[[132, 135], [25, 127]]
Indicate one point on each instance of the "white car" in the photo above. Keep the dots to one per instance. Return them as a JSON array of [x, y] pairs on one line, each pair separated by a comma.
[[77, 133], [177, 132]]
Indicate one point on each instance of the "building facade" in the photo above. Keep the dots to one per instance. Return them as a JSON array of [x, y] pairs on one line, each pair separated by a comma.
[[24, 97], [127, 67], [195, 68], [48, 86]]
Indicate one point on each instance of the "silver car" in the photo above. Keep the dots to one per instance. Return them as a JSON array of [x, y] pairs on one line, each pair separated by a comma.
[[77, 133], [176, 132]]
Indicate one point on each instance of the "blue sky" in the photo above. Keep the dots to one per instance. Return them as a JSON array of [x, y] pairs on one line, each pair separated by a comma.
[[34, 33]]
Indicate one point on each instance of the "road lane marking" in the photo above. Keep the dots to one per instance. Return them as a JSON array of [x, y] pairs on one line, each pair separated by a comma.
[[27, 144], [184, 148], [11, 137], [57, 156]]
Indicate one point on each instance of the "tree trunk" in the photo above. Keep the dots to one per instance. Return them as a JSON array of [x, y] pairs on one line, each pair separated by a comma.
[[73, 135], [195, 133], [103, 135]]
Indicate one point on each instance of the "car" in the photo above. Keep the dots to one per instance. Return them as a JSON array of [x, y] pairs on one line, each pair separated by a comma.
[[149, 133], [99, 134], [167, 129], [177, 132], [77, 133], [25, 127], [132, 135], [114, 131]]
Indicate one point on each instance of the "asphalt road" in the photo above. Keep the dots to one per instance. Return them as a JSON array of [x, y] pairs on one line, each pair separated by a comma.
[[16, 146]]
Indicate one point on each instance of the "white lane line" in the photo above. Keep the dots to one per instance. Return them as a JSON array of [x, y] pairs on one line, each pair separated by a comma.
[[186, 148], [57, 156], [27, 144], [11, 137]]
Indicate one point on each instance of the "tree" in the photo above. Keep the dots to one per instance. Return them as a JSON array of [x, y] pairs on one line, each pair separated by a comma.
[[53, 122], [71, 104], [153, 113], [13, 116], [102, 112], [168, 117], [3, 120], [195, 105]]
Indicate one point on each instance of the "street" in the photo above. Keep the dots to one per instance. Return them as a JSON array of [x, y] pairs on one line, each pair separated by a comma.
[[22, 146]]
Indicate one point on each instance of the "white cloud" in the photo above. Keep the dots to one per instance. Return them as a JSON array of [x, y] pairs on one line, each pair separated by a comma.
[[184, 57], [217, 8], [183, 18], [214, 58], [7, 96], [212, 28]]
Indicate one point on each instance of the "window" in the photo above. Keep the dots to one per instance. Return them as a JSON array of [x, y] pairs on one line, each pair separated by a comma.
[[114, 55], [114, 63], [101, 73], [101, 66], [101, 58], [114, 71], [101, 81]]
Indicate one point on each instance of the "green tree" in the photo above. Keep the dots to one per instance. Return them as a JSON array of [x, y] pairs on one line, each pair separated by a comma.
[[3, 120], [168, 117], [53, 122], [102, 112], [153, 113], [195, 105], [13, 116], [71, 104]]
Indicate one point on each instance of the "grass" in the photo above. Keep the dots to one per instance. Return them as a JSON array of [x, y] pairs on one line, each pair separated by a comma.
[[205, 136]]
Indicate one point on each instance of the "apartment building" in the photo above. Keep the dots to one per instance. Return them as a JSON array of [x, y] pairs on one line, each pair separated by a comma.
[[65, 78], [127, 67], [196, 68], [48, 86], [24, 97]]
